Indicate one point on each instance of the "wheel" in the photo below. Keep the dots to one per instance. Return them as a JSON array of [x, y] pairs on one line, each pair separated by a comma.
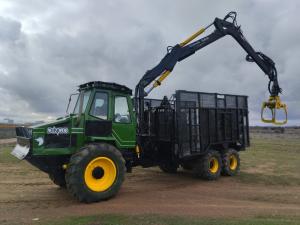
[[58, 178], [95, 173], [231, 162], [168, 167], [208, 166]]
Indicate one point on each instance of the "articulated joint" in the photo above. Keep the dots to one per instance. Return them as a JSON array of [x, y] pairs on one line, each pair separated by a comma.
[[157, 83], [137, 151]]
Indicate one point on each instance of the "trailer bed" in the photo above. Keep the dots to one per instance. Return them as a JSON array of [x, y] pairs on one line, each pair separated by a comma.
[[195, 122]]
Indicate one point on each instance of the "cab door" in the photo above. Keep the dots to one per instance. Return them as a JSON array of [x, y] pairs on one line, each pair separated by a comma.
[[123, 122], [98, 124]]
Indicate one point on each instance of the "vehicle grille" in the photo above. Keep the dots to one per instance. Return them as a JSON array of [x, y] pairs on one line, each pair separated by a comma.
[[24, 132]]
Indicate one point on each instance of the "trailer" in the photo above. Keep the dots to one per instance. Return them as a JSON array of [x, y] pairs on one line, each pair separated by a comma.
[[193, 124]]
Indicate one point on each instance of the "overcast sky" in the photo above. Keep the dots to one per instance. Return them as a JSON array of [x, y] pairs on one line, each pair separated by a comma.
[[47, 48]]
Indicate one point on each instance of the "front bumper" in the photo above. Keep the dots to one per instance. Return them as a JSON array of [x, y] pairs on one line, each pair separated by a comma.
[[47, 164], [20, 151], [23, 150], [24, 142]]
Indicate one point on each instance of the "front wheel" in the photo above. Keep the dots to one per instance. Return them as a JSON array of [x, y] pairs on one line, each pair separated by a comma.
[[95, 173]]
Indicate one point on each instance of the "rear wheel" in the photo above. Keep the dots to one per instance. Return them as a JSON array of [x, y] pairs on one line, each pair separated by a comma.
[[58, 178], [95, 173], [208, 166], [231, 162]]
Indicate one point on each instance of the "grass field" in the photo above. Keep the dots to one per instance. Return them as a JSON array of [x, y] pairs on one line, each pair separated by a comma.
[[271, 161], [268, 162], [165, 220]]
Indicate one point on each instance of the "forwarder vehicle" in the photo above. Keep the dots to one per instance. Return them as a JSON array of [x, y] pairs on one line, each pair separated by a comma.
[[110, 131]]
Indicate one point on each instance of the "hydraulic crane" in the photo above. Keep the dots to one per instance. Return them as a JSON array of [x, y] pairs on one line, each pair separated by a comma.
[[179, 52]]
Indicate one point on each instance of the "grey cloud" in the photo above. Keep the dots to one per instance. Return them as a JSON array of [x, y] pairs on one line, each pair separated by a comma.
[[10, 30], [47, 48]]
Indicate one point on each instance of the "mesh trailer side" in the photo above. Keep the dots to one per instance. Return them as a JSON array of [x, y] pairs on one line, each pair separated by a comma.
[[204, 120], [159, 119]]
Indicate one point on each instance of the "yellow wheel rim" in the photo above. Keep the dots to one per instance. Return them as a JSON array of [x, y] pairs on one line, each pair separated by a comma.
[[213, 165], [233, 162], [100, 174]]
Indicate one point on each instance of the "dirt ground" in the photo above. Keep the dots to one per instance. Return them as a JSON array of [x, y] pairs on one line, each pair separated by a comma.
[[4, 142], [27, 194]]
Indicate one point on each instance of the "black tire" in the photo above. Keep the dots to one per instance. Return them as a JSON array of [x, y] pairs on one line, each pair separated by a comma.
[[208, 166], [230, 162], [168, 167], [76, 174], [58, 178]]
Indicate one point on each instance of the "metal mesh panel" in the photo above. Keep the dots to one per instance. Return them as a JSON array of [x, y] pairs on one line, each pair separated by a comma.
[[164, 123], [206, 119], [189, 97], [221, 103], [187, 104], [183, 125], [230, 101], [195, 130], [212, 131], [207, 100], [151, 103], [228, 126], [242, 102]]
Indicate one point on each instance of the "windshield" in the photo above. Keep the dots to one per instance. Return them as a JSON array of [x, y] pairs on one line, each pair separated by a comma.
[[86, 96], [72, 102]]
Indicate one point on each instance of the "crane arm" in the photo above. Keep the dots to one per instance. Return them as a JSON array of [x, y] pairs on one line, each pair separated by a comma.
[[179, 52]]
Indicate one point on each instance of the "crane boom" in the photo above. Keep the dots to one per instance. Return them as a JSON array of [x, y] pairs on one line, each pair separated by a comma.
[[179, 52]]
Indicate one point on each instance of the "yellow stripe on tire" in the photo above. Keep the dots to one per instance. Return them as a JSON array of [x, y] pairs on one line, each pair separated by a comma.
[[233, 162], [214, 165]]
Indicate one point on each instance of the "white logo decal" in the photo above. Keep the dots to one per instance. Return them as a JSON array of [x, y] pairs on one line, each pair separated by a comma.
[[57, 130], [40, 140]]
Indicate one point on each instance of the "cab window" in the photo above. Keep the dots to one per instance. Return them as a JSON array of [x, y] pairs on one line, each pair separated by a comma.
[[121, 110], [99, 107], [86, 97]]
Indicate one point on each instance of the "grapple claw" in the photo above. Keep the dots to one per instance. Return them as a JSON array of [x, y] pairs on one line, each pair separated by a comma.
[[274, 104]]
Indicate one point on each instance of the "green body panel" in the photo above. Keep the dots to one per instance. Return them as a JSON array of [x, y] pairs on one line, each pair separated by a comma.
[[123, 135], [124, 132]]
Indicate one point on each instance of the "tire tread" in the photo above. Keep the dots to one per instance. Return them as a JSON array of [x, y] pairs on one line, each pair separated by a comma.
[[74, 175]]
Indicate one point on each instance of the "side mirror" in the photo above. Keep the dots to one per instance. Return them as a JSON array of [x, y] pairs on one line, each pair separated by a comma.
[[274, 104]]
